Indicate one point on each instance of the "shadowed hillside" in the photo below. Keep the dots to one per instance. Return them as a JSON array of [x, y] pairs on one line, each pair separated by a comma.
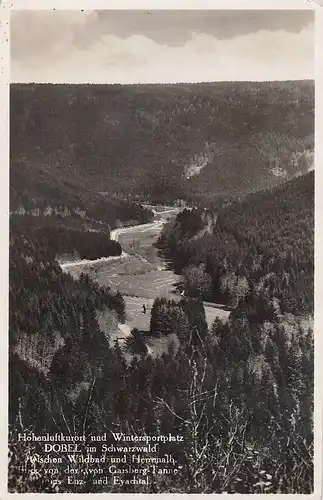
[[159, 141]]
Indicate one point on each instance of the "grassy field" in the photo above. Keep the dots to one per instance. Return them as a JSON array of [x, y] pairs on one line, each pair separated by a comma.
[[140, 277], [142, 274]]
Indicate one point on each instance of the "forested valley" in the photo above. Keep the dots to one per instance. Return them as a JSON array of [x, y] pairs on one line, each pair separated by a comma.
[[240, 393], [87, 159]]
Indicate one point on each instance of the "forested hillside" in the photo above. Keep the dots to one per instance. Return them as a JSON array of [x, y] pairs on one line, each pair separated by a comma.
[[264, 245], [236, 395], [162, 142], [240, 393]]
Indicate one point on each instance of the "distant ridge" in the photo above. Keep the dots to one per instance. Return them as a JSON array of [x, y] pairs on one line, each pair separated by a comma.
[[143, 139], [16, 84]]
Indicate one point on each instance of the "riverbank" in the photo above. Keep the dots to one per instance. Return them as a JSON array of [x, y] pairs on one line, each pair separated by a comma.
[[84, 262]]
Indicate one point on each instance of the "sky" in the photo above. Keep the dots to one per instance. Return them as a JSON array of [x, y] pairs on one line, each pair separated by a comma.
[[161, 46]]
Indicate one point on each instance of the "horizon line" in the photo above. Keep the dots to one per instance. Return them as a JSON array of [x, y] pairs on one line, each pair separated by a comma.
[[166, 83]]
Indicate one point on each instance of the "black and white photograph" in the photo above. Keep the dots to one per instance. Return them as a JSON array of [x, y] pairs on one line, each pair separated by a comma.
[[161, 251]]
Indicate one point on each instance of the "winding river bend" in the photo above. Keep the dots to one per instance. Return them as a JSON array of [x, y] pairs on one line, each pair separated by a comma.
[[139, 273]]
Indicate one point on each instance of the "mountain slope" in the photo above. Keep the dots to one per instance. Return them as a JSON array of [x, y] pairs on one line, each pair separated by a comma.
[[163, 141], [264, 245]]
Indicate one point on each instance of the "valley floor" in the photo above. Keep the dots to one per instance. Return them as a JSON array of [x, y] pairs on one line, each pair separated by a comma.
[[140, 275]]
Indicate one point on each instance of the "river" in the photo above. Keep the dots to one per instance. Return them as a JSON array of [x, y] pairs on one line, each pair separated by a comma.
[[139, 273]]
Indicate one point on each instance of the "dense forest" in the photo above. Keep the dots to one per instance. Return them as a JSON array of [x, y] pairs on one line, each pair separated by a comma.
[[159, 142], [240, 393], [64, 237], [263, 245]]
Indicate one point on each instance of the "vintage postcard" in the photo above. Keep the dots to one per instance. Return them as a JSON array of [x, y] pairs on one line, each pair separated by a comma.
[[161, 249]]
